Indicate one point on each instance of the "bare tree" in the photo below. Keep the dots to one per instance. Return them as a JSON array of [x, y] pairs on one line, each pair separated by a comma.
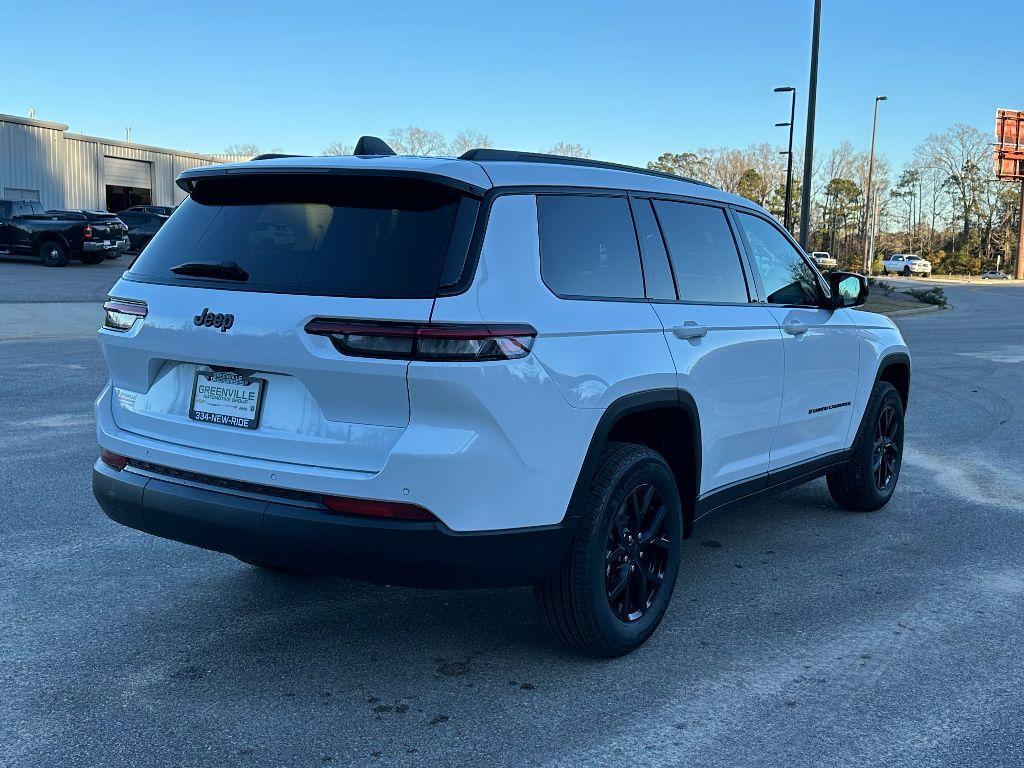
[[469, 139], [244, 150], [337, 148], [962, 153], [417, 141], [564, 149]]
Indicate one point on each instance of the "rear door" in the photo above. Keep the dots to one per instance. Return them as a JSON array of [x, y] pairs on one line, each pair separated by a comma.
[[821, 347], [5, 225], [301, 247], [727, 348], [22, 239]]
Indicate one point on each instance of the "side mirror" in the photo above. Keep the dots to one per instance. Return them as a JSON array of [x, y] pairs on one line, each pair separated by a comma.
[[848, 289]]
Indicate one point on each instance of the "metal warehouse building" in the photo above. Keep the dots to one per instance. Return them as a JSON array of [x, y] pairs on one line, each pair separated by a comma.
[[41, 161]]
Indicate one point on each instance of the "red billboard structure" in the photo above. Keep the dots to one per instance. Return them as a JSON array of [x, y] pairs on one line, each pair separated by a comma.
[[1009, 162]]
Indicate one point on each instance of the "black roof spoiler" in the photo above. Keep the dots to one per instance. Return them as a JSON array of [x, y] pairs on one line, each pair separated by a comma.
[[513, 156]]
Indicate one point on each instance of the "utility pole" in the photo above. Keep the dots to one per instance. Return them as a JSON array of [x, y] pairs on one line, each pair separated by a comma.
[[812, 93], [1020, 236], [787, 217], [869, 219]]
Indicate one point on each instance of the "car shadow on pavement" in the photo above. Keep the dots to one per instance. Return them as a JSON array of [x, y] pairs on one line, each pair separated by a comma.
[[276, 656]]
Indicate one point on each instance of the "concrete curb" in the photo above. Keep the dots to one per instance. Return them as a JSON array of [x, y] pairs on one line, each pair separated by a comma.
[[26, 321], [923, 310]]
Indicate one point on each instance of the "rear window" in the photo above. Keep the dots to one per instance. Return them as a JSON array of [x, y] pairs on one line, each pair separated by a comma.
[[588, 247], [354, 236], [703, 252]]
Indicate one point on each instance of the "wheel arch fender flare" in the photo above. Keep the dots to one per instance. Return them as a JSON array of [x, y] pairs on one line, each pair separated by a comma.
[[629, 405], [44, 237], [894, 367]]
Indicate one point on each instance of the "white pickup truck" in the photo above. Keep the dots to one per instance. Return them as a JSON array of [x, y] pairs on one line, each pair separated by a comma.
[[906, 264]]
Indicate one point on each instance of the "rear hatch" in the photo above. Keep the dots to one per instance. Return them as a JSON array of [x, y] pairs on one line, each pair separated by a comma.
[[232, 279]]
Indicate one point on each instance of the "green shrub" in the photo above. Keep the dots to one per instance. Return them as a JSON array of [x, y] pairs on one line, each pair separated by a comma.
[[877, 285], [935, 296]]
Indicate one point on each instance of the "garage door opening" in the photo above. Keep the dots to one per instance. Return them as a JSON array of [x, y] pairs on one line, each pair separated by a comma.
[[128, 183], [119, 198]]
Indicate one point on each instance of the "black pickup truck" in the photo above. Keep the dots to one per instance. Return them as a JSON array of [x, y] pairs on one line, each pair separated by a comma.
[[56, 237]]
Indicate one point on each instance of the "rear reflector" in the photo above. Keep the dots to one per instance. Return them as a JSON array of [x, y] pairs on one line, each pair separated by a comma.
[[121, 314], [113, 460], [439, 343], [392, 510]]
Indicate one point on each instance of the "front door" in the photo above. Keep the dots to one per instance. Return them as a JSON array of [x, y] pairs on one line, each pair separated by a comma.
[[821, 349], [727, 349]]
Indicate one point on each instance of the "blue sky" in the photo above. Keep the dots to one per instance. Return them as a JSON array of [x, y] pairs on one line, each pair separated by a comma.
[[627, 80]]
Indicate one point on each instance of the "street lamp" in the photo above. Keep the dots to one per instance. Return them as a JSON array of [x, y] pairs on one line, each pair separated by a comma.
[[869, 197], [789, 162]]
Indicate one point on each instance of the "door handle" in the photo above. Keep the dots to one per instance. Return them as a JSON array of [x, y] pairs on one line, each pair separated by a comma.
[[690, 330], [795, 329]]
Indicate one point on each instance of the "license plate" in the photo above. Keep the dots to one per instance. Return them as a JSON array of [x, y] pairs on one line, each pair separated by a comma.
[[225, 397]]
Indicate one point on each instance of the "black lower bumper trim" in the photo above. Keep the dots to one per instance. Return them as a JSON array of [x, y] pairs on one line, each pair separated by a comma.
[[273, 531]]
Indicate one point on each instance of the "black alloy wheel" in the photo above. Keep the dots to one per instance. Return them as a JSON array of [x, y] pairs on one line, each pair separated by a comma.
[[636, 552], [886, 448]]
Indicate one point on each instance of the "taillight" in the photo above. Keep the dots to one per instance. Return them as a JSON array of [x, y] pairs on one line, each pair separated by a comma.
[[121, 314], [113, 460], [439, 343], [87, 232], [391, 510]]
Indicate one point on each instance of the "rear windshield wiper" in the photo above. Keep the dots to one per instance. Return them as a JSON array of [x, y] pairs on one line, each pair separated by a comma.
[[219, 270]]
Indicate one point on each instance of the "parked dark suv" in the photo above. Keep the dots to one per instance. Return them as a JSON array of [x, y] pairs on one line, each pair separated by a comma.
[[142, 225], [163, 210]]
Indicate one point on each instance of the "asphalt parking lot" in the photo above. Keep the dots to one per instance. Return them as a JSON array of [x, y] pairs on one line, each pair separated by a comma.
[[799, 635]]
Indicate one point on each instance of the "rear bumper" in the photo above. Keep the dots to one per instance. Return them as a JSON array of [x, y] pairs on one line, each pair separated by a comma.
[[91, 246], [310, 538]]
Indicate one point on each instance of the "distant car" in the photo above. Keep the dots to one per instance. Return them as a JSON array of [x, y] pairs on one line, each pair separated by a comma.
[[824, 260], [906, 264], [994, 274], [142, 225], [162, 210]]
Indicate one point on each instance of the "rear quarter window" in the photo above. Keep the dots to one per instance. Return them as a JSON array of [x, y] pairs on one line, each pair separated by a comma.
[[588, 247]]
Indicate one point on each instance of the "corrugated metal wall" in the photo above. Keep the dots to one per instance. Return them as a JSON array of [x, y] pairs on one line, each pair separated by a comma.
[[68, 169], [32, 158]]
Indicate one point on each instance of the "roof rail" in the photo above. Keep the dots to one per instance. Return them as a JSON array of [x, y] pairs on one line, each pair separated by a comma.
[[513, 156], [273, 156]]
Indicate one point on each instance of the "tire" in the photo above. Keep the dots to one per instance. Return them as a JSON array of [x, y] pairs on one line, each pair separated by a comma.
[[574, 601], [859, 485], [267, 566], [92, 258], [53, 254]]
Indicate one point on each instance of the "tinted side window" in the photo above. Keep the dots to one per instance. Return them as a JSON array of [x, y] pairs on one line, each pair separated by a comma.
[[704, 256], [787, 278], [657, 273], [588, 247]]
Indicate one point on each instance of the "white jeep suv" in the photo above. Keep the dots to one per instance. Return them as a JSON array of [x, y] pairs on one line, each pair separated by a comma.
[[501, 369]]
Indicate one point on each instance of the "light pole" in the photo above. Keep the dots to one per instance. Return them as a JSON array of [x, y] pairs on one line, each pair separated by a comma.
[[812, 93], [789, 161], [869, 197]]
